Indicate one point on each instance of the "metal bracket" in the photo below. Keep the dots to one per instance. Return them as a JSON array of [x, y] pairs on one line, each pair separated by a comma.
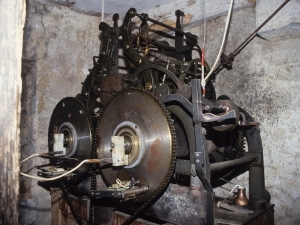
[[119, 158], [201, 155], [117, 193], [58, 145]]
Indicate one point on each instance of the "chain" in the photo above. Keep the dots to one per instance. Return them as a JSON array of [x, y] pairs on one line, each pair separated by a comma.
[[165, 183], [70, 203], [93, 214]]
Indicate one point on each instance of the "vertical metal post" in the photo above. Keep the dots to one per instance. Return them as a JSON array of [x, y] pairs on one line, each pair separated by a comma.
[[201, 154]]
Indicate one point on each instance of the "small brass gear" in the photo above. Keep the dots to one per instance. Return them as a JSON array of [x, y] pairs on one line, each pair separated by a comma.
[[141, 44]]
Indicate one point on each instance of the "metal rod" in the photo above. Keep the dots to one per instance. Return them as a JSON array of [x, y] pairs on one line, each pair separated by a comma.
[[222, 165], [121, 57], [166, 26], [135, 191], [249, 39], [168, 47]]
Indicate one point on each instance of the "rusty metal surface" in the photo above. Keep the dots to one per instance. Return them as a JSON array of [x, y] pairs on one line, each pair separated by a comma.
[[142, 109], [72, 111], [111, 83]]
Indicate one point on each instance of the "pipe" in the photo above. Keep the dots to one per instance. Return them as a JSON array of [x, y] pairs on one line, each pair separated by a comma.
[[235, 162]]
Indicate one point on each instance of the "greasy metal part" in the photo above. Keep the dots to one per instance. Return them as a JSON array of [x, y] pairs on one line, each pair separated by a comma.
[[246, 42], [70, 203], [183, 89], [183, 167], [215, 109], [201, 155], [71, 111], [178, 36], [182, 141], [135, 141], [110, 83], [157, 163], [110, 193], [214, 167], [162, 24], [140, 43], [70, 138], [257, 189]]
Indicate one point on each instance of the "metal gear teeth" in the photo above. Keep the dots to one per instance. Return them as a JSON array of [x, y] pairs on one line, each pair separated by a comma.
[[165, 183], [173, 136]]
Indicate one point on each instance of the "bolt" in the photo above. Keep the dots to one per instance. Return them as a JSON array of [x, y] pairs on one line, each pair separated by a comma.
[[185, 64], [112, 145], [197, 161], [197, 155]]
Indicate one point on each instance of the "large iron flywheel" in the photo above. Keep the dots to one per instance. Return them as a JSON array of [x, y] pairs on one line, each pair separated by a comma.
[[149, 140]]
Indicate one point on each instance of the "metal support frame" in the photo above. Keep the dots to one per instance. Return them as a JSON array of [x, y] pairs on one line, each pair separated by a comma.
[[201, 161], [199, 158]]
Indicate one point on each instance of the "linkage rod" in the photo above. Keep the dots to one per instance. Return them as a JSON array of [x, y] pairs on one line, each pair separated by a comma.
[[164, 25], [249, 39]]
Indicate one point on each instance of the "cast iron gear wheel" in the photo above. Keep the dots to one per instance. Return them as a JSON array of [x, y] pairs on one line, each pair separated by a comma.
[[71, 118], [148, 129], [237, 150]]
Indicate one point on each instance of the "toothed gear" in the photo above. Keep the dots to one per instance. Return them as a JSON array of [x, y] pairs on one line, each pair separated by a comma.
[[141, 44], [235, 151], [138, 113], [71, 118]]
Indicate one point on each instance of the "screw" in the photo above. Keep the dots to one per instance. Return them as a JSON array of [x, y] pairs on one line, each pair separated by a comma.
[[197, 161], [112, 145], [197, 155]]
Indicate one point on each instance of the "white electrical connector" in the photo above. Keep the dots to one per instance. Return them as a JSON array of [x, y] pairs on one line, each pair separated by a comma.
[[64, 174], [119, 158], [58, 146]]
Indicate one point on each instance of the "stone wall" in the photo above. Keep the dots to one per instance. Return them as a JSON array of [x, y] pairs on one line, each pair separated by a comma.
[[58, 48], [11, 43], [264, 81]]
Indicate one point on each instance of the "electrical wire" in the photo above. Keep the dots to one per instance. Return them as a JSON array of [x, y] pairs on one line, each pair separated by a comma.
[[120, 183], [203, 82], [203, 47], [102, 13], [62, 175], [34, 155]]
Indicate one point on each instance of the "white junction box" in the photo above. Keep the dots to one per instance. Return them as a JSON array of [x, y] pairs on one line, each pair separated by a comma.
[[119, 158]]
